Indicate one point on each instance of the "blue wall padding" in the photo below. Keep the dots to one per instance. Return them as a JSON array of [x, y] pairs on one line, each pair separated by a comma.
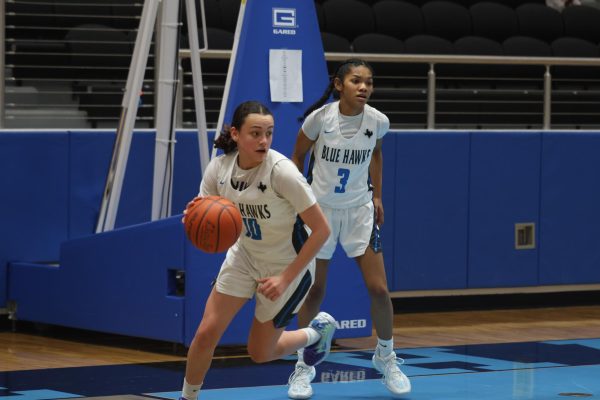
[[115, 282], [451, 200], [34, 202], [570, 208], [504, 190], [431, 210], [187, 176], [90, 156]]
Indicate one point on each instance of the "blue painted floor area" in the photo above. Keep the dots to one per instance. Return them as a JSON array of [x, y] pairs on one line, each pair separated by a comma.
[[539, 371]]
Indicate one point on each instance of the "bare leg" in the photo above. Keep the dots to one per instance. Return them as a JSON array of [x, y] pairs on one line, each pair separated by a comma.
[[267, 343], [316, 294], [218, 313], [382, 310]]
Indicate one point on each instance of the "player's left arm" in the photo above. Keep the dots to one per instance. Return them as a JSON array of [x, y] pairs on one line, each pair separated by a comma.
[[376, 172]]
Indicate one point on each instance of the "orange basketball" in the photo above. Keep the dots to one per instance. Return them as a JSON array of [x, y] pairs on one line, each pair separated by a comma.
[[213, 224]]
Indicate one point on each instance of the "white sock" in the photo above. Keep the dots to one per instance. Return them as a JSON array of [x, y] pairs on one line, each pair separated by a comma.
[[190, 392], [385, 347], [301, 355], [312, 336]]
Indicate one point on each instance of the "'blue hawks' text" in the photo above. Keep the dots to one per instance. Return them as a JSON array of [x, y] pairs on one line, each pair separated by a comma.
[[345, 156]]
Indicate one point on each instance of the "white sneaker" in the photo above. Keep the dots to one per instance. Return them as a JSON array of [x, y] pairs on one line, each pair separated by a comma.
[[393, 378], [299, 381], [317, 352]]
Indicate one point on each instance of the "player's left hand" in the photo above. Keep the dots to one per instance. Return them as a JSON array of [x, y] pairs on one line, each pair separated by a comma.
[[272, 287]]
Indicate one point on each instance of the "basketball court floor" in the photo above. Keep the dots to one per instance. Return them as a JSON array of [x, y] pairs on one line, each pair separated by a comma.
[[506, 367]]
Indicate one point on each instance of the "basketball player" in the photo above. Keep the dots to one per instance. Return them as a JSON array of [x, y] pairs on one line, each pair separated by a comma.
[[345, 174], [274, 257]]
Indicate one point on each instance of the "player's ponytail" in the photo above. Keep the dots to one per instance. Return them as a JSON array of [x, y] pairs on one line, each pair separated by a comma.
[[321, 101]]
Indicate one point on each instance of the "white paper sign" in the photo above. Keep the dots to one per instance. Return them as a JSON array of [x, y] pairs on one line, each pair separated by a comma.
[[285, 75]]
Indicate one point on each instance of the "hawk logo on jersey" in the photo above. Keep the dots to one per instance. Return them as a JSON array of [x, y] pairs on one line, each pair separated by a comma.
[[262, 187], [368, 133]]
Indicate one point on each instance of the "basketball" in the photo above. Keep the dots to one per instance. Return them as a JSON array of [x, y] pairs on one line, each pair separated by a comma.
[[213, 224]]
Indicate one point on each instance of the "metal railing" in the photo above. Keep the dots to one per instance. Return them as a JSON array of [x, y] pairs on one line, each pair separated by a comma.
[[433, 60]]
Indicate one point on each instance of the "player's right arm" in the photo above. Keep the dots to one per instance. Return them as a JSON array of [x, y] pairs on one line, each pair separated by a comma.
[[302, 146], [208, 186]]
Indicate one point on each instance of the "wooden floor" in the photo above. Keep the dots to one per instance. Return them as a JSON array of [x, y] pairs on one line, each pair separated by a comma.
[[28, 348]]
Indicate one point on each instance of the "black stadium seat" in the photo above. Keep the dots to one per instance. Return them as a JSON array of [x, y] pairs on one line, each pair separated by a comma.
[[494, 21], [574, 47], [582, 22], [524, 46], [426, 44], [348, 18], [335, 43], [446, 19], [398, 19], [379, 43], [477, 46], [539, 21]]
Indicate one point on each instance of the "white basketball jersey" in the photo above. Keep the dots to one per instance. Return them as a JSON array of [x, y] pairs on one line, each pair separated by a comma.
[[268, 232], [339, 167]]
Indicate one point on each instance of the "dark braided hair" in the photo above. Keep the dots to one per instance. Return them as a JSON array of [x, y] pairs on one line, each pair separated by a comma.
[[225, 142], [340, 73]]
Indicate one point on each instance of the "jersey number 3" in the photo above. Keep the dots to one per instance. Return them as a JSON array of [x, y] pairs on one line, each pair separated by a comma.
[[343, 173]]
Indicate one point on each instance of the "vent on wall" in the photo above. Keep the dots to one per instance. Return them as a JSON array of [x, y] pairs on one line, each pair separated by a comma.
[[525, 236]]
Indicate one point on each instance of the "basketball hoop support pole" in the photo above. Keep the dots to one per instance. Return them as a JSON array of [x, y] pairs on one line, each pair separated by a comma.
[[167, 78]]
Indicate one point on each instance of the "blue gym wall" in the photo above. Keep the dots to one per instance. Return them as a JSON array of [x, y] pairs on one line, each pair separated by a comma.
[[451, 201]]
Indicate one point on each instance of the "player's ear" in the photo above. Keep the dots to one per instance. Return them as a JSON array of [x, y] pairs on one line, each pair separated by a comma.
[[234, 133], [338, 84]]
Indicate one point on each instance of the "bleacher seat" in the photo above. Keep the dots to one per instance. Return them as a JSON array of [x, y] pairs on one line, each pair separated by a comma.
[[335, 43], [530, 76], [425, 44], [348, 18], [582, 22], [484, 73], [399, 19], [539, 21], [494, 20], [446, 19], [379, 43], [575, 76]]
